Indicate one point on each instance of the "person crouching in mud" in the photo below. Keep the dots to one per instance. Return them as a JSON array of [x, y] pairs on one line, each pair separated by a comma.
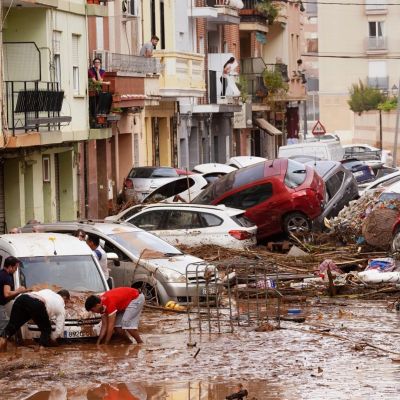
[[119, 308]]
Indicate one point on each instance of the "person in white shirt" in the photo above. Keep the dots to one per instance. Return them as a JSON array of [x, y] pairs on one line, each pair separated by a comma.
[[42, 307], [93, 242]]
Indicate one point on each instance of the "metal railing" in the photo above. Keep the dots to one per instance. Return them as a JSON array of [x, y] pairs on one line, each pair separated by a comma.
[[126, 63], [220, 3], [376, 43], [250, 4], [371, 5], [31, 105], [381, 83]]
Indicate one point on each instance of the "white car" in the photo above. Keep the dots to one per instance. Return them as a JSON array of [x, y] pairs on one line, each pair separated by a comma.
[[142, 260], [362, 151], [141, 181], [183, 189], [194, 224], [213, 167], [382, 182], [244, 161]]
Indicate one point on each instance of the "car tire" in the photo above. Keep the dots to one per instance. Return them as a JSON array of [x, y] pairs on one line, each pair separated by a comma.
[[150, 293], [296, 222]]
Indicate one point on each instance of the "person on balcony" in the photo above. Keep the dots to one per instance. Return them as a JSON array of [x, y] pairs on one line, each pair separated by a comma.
[[147, 48], [96, 73], [229, 74]]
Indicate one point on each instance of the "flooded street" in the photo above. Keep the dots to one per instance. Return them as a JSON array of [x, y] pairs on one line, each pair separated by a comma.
[[323, 358]]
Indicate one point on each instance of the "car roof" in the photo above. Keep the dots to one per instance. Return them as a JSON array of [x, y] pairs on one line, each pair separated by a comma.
[[323, 167], [43, 244], [245, 161], [107, 228], [361, 145], [395, 188], [213, 167], [229, 210]]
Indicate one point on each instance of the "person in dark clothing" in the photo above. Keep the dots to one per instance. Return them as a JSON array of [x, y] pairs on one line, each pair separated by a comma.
[[7, 291], [239, 395]]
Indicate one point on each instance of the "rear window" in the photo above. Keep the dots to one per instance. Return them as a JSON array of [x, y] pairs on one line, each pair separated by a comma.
[[295, 175], [243, 221], [152, 173], [232, 180]]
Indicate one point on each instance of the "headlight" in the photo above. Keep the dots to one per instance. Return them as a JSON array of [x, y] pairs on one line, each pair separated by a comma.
[[172, 276]]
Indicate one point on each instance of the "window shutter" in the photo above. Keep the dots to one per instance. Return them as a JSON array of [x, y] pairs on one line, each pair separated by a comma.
[[75, 50]]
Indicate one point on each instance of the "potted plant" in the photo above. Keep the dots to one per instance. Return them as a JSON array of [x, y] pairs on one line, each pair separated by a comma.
[[95, 87], [274, 82], [117, 110]]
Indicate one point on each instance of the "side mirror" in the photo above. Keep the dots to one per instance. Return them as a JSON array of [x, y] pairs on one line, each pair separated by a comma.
[[114, 257]]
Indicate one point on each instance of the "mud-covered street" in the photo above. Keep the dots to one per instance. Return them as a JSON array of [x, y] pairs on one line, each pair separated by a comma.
[[345, 349]]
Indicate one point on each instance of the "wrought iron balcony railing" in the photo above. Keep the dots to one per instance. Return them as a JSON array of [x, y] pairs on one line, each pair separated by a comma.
[[34, 105]]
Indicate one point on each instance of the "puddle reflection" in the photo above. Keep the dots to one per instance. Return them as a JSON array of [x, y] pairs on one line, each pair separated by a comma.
[[168, 391]]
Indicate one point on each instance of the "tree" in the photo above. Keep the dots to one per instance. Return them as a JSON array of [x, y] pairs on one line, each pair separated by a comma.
[[365, 98]]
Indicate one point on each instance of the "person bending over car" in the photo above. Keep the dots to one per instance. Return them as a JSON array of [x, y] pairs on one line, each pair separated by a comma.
[[119, 308], [42, 307]]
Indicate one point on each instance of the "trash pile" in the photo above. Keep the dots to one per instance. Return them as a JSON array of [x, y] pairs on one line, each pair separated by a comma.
[[367, 220]]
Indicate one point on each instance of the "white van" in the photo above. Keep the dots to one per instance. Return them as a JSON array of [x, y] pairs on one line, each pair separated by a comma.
[[57, 261], [326, 150]]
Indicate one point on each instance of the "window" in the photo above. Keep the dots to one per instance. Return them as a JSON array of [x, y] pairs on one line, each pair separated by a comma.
[[57, 56], [295, 174], [179, 219], [249, 197], [211, 220], [149, 221], [375, 28], [333, 184], [99, 33], [377, 74], [376, 4], [46, 168], [75, 63], [110, 248]]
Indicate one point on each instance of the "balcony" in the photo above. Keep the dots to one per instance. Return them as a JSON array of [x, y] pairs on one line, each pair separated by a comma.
[[96, 8], [376, 7], [34, 106], [134, 80], [376, 45], [217, 11], [251, 19], [381, 83], [182, 74]]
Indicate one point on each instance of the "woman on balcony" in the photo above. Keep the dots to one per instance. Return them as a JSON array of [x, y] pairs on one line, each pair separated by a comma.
[[95, 73], [229, 74]]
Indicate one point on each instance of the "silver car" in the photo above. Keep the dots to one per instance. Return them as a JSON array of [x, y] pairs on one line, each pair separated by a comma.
[[144, 261]]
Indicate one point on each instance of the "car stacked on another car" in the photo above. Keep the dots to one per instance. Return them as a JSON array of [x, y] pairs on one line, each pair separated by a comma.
[[141, 181], [278, 195], [192, 224], [146, 262]]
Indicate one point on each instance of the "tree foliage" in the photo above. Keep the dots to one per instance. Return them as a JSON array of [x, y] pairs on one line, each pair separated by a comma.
[[365, 98], [388, 105], [269, 8]]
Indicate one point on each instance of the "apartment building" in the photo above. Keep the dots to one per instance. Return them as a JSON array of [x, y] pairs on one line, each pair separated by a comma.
[[272, 47], [44, 109], [364, 48]]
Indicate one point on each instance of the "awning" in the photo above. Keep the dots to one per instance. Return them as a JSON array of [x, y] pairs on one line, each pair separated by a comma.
[[267, 127]]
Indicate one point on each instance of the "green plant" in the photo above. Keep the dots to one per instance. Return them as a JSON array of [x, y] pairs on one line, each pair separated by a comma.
[[117, 110], [243, 86], [388, 105], [95, 86], [364, 98], [274, 82], [268, 8]]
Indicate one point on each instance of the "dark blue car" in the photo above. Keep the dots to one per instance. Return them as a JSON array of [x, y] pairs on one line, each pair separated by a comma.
[[361, 171]]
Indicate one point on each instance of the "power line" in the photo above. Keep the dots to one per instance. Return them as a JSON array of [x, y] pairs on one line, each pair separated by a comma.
[[350, 56], [343, 3]]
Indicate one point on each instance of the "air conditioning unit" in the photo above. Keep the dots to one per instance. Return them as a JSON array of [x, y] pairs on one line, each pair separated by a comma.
[[104, 56], [130, 8]]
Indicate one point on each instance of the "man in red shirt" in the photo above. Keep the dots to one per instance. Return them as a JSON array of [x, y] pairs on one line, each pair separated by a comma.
[[119, 308]]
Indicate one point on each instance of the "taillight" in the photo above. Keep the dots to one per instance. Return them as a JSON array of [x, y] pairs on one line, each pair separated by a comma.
[[128, 184], [240, 235]]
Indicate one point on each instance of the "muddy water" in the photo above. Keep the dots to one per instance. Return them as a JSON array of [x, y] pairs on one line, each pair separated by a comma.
[[301, 361]]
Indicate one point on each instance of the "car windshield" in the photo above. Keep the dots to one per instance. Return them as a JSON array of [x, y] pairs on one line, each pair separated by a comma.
[[78, 273], [152, 173], [140, 241], [295, 175]]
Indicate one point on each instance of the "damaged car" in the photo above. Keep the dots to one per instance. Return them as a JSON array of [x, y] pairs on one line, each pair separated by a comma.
[[56, 261]]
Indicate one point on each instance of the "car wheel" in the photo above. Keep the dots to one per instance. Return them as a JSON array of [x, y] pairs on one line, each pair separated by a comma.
[[150, 292], [296, 223]]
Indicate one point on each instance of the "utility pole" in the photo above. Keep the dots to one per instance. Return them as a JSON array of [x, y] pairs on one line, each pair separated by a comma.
[[396, 132]]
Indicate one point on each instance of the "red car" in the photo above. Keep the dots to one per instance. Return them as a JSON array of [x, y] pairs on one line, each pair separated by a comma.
[[278, 195]]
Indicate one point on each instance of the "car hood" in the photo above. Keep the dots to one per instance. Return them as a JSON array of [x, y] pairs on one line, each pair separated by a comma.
[[75, 308], [180, 263]]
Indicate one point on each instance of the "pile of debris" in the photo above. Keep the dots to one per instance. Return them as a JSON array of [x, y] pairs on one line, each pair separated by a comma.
[[367, 220]]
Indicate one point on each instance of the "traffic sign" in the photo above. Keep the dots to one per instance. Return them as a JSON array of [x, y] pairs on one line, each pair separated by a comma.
[[318, 129]]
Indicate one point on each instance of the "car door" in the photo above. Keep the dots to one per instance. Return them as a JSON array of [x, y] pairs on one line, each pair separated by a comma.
[[337, 197], [182, 227]]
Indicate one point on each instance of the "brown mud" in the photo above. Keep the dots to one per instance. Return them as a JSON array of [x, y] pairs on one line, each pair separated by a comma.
[[344, 350]]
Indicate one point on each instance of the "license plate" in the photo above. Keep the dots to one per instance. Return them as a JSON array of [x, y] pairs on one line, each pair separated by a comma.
[[209, 290], [74, 334]]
